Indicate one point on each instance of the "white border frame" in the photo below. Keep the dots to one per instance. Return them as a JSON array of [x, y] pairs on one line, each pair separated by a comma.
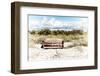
[[24, 64]]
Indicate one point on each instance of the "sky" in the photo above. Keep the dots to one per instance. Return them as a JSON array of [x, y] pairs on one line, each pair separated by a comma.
[[37, 22]]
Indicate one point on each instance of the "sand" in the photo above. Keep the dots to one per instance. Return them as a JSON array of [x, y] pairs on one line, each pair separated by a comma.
[[38, 53], [71, 50]]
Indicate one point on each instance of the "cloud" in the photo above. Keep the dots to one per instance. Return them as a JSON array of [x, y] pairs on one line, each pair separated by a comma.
[[53, 22], [44, 20], [33, 24]]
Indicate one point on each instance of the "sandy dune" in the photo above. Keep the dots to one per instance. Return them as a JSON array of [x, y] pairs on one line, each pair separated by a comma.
[[38, 53], [71, 50]]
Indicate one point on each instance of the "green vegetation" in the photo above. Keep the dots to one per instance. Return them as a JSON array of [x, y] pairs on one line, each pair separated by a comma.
[[33, 32], [44, 32], [67, 36], [78, 36], [56, 32]]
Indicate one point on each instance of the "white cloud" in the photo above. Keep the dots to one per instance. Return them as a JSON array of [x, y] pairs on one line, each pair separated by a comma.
[[45, 22], [45, 19], [51, 21], [58, 23], [33, 24]]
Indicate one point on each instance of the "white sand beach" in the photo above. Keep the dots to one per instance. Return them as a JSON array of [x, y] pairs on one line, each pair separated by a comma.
[[38, 53]]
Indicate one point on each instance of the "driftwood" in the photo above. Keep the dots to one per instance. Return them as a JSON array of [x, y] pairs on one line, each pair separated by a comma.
[[52, 43]]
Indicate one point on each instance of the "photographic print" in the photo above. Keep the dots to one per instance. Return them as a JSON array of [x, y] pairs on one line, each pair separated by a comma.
[[52, 37], [57, 37]]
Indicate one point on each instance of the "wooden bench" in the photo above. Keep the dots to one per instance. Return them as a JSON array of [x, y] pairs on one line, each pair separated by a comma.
[[52, 43]]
